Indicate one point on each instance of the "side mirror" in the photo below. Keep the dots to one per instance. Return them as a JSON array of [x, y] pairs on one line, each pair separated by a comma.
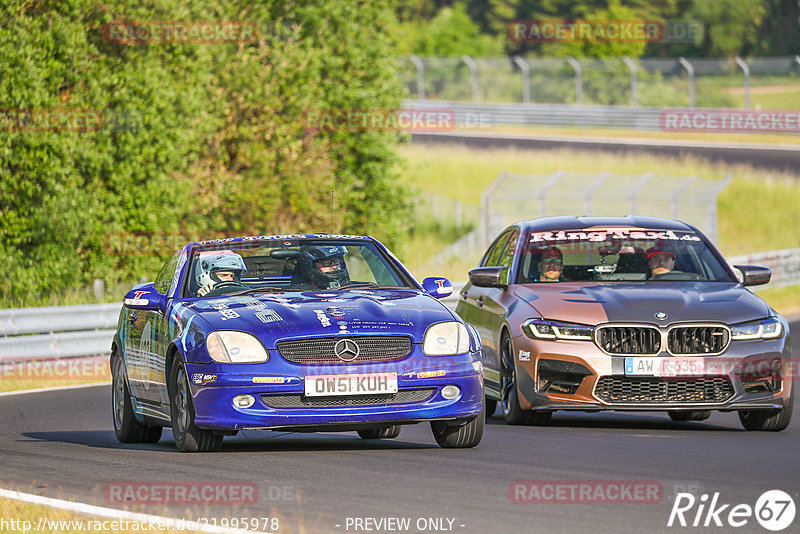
[[753, 275], [487, 277], [144, 297], [438, 287]]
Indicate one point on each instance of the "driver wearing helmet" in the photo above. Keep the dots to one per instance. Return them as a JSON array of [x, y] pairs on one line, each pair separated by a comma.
[[324, 266], [218, 270]]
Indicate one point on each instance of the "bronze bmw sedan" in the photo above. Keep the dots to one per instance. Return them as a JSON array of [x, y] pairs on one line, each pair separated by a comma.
[[626, 313]]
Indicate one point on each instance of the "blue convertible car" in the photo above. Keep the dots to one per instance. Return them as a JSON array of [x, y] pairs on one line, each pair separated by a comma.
[[293, 332]]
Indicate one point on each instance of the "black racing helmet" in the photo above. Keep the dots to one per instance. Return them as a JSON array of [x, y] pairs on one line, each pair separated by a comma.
[[332, 278]]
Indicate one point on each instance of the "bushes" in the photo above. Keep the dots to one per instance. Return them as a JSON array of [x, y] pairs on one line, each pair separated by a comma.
[[199, 139]]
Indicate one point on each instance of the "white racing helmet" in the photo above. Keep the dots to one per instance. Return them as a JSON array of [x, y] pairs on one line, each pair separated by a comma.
[[208, 265]]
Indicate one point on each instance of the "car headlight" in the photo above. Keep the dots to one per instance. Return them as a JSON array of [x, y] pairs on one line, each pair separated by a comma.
[[764, 329], [228, 346], [445, 339], [544, 329]]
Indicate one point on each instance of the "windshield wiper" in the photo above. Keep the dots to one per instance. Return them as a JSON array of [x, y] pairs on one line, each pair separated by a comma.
[[367, 285], [257, 290]]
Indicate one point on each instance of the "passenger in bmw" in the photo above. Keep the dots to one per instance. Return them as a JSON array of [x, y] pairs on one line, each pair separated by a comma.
[[551, 264], [324, 267]]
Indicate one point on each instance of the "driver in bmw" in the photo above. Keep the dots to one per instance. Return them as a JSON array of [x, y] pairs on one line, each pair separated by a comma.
[[218, 271], [660, 261]]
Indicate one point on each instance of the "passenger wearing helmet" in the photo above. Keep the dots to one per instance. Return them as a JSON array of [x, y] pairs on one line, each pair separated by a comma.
[[323, 266], [217, 271]]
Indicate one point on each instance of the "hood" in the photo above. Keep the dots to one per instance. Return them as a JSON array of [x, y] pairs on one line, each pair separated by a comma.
[[278, 316], [594, 303]]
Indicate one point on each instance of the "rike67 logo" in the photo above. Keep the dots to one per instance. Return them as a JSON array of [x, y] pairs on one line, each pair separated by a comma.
[[774, 510]]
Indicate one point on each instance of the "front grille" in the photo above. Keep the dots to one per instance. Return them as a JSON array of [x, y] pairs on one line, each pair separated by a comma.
[[628, 339], [321, 350], [300, 401], [626, 389], [698, 339]]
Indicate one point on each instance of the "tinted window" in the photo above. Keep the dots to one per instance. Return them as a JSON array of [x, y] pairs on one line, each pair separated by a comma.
[[623, 254], [507, 256], [493, 256], [164, 278]]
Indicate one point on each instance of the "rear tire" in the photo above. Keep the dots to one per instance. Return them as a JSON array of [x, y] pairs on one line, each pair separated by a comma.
[[387, 432], [188, 438], [768, 420], [689, 415], [126, 427]]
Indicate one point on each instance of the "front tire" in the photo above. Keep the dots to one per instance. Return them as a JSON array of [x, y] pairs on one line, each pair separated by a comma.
[[463, 436], [126, 427], [768, 420], [188, 437], [387, 432]]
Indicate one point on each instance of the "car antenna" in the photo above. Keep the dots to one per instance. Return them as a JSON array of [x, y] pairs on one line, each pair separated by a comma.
[[331, 210]]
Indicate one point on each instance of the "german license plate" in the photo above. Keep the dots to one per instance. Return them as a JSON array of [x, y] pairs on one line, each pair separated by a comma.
[[354, 384], [664, 366]]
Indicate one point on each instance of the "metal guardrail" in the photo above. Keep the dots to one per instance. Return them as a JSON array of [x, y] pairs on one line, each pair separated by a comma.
[[488, 115], [59, 331], [16, 321]]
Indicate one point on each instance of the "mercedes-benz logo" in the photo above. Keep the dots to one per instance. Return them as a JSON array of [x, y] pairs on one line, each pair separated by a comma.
[[346, 350], [660, 315]]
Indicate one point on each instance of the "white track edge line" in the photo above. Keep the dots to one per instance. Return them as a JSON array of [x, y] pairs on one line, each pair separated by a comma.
[[113, 513], [55, 388]]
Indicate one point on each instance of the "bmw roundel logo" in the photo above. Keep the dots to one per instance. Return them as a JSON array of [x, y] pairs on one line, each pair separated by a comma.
[[661, 316]]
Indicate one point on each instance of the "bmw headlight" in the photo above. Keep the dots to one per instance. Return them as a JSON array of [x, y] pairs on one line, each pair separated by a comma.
[[544, 329], [446, 339], [228, 346], [764, 329]]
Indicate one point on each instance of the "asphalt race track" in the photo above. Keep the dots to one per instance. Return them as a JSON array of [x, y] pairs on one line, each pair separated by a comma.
[[61, 444]]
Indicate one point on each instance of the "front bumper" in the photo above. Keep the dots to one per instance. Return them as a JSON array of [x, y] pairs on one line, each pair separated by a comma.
[[280, 404], [577, 375]]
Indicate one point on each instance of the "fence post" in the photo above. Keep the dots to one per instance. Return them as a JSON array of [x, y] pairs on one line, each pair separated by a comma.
[[690, 73], [632, 66], [636, 188], [485, 206], [587, 198], [545, 188], [526, 78], [712, 209], [473, 74], [420, 76], [673, 201], [746, 71], [578, 79]]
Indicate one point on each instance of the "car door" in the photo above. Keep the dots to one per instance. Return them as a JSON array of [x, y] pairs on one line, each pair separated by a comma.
[[147, 340], [478, 307]]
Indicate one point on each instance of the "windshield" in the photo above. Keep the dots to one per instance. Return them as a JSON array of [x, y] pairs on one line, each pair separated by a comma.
[[290, 265], [619, 254]]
